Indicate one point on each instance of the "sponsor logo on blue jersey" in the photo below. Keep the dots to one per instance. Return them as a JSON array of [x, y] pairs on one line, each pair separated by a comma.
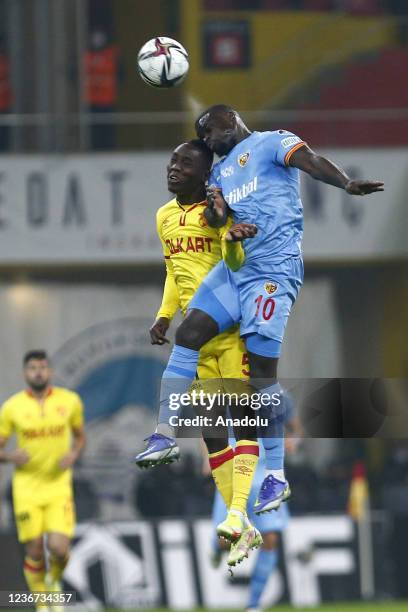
[[228, 171], [239, 193]]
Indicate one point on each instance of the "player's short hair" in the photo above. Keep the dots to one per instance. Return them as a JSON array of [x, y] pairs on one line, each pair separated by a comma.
[[38, 354], [202, 147], [215, 109]]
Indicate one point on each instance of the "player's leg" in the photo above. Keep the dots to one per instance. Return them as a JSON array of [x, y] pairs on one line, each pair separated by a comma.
[[265, 565], [266, 305], [59, 524], [250, 538], [220, 453], [270, 525], [58, 545], [35, 567], [29, 522], [214, 308], [232, 364], [275, 488]]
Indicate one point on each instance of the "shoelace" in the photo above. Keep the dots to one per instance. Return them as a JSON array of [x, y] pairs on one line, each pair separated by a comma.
[[269, 480]]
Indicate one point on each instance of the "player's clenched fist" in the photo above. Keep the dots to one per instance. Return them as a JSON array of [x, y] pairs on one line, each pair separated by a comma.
[[216, 211], [158, 331], [241, 231]]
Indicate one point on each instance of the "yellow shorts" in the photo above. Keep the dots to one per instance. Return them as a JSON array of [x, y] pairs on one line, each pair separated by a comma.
[[224, 357], [33, 520]]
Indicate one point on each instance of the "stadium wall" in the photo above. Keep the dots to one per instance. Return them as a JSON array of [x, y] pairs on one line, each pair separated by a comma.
[[79, 209], [144, 564]]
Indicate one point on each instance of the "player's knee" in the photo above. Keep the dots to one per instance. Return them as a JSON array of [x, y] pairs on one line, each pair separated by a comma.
[[35, 549], [59, 549], [270, 540], [196, 329], [189, 337]]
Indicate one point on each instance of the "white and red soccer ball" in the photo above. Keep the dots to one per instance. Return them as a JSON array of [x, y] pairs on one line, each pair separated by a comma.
[[163, 62]]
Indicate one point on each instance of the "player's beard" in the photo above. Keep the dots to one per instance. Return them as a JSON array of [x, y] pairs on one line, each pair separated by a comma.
[[38, 387]]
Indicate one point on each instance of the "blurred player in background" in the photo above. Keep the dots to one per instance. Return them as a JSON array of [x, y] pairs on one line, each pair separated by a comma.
[[259, 177], [191, 248], [270, 525], [48, 423]]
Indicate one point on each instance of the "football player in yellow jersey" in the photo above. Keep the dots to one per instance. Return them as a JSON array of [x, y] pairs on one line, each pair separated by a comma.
[[48, 424], [191, 248]]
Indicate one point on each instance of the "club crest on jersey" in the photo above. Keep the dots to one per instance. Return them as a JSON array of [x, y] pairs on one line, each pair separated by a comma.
[[243, 158], [270, 287], [202, 221]]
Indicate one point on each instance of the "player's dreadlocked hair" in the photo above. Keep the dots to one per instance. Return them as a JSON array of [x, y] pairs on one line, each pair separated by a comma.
[[202, 147], [215, 109]]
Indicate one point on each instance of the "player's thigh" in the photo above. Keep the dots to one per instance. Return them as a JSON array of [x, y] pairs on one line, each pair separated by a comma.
[[266, 302], [59, 516], [232, 356], [218, 296], [29, 519], [207, 367]]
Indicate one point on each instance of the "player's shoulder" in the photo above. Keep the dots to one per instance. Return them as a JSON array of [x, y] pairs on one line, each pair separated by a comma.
[[14, 400], [170, 206], [66, 394], [281, 137]]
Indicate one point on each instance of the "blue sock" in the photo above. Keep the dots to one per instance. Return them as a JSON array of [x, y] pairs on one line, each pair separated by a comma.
[[177, 378], [264, 567], [273, 435]]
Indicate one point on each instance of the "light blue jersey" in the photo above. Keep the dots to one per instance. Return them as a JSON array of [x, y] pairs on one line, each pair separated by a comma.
[[260, 187]]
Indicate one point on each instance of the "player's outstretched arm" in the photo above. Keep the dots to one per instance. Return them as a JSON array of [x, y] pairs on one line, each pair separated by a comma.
[[216, 211], [323, 169]]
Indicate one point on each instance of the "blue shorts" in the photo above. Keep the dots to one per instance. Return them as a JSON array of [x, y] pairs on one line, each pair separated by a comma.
[[269, 521], [260, 300]]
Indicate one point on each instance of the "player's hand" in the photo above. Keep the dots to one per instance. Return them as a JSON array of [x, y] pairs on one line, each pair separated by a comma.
[[241, 231], [158, 331], [216, 211], [18, 457], [68, 460], [363, 187]]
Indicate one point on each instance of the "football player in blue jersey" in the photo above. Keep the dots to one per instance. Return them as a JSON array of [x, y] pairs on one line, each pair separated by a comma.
[[257, 181]]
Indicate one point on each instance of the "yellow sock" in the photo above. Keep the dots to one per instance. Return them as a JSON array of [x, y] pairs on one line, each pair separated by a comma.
[[34, 572], [245, 462], [57, 566], [221, 464]]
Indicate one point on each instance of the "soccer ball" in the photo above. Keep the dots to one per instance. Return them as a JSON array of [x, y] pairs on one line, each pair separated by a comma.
[[162, 62]]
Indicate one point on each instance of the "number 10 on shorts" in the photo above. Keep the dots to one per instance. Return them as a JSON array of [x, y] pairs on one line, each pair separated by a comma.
[[264, 308]]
